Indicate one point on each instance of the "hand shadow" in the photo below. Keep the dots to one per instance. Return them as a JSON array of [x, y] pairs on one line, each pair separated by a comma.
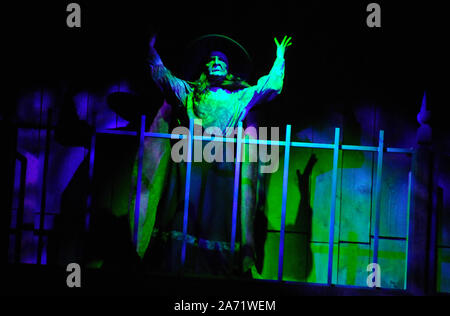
[[303, 222]]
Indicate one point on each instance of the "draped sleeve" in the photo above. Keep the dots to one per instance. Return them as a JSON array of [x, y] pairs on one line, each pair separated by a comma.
[[175, 90], [267, 88]]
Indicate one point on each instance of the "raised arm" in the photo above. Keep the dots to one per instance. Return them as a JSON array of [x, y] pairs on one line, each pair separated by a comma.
[[270, 85], [174, 89]]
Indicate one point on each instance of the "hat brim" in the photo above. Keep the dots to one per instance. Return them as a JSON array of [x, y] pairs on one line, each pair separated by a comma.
[[240, 62]]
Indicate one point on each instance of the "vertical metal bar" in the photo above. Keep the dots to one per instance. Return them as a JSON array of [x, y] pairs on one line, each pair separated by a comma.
[[137, 205], [44, 188], [7, 128], [187, 189], [21, 207], [237, 173], [287, 150], [408, 208], [333, 204], [90, 179], [378, 196], [436, 197]]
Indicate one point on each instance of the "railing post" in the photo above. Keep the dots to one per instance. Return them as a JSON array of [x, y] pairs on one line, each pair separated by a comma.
[[137, 206], [333, 205], [187, 190], [287, 150], [408, 212], [44, 188], [419, 229], [377, 197], [237, 173], [87, 223], [10, 144]]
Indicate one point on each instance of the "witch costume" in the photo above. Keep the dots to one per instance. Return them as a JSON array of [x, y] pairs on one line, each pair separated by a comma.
[[211, 186]]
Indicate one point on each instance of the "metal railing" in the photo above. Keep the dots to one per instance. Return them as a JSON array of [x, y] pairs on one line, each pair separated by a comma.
[[288, 144]]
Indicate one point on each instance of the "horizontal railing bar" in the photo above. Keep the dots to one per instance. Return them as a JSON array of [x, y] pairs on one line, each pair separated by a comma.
[[261, 142], [400, 150], [354, 242], [217, 139], [389, 237], [116, 132], [312, 145], [340, 241], [357, 147], [374, 149], [165, 135], [287, 231], [36, 231], [30, 227]]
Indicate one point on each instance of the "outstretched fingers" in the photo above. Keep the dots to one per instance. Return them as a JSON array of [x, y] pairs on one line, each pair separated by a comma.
[[152, 40], [276, 41], [285, 42]]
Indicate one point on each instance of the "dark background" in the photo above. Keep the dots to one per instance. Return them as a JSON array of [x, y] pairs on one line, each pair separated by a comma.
[[335, 59]]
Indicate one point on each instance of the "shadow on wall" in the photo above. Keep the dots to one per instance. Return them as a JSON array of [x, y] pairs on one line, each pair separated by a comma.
[[303, 221], [107, 243], [304, 194]]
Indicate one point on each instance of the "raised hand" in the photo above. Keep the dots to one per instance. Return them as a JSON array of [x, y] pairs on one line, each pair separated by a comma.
[[151, 44], [153, 56], [281, 48]]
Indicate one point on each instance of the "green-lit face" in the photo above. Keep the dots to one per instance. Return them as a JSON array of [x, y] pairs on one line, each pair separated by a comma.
[[217, 66]]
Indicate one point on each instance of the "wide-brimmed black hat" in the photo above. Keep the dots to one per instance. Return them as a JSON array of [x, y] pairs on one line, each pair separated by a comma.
[[197, 52]]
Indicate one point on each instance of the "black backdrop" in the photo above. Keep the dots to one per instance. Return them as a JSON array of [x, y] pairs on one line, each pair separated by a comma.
[[336, 59]]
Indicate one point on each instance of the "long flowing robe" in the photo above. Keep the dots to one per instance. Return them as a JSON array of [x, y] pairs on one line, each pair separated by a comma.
[[211, 191]]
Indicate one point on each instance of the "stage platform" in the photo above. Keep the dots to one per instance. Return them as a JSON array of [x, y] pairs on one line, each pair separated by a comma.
[[29, 279]]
